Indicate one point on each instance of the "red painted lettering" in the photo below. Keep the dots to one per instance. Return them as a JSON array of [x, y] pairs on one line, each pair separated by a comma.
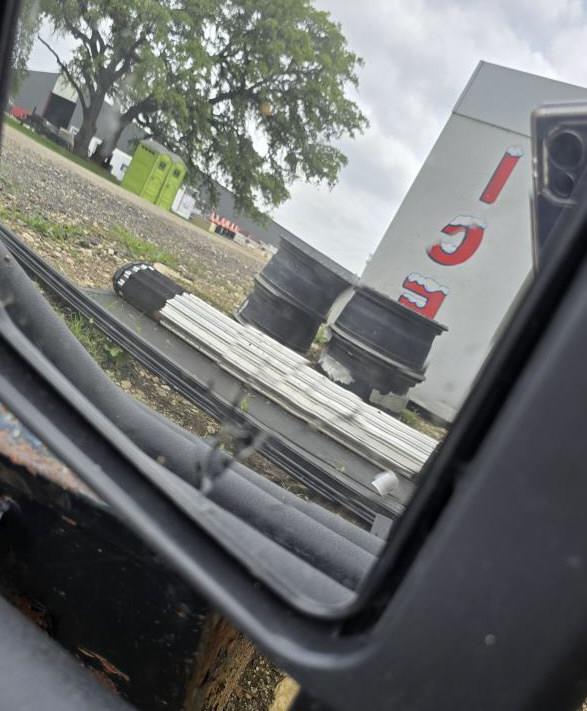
[[423, 295], [465, 235], [500, 177]]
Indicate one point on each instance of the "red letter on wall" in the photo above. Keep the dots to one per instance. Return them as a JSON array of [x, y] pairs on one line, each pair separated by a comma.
[[423, 295], [502, 173], [465, 234]]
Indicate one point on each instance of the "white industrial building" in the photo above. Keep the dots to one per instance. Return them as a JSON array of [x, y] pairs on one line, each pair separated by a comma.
[[459, 247]]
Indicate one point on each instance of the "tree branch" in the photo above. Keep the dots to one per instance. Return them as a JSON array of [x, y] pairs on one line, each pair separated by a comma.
[[66, 71], [96, 42], [75, 31], [221, 97], [239, 91], [144, 106], [100, 43], [127, 60], [87, 43], [248, 90]]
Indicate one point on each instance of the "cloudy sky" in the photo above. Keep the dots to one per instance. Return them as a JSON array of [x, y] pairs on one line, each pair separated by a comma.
[[418, 56]]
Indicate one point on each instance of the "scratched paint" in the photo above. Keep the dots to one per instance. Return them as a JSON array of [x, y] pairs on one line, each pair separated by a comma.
[[21, 447], [106, 666]]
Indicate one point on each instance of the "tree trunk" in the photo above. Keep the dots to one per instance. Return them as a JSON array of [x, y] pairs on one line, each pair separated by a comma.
[[88, 128], [83, 137], [106, 148]]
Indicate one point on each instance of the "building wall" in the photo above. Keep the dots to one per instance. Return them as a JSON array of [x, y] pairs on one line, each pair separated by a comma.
[[34, 90], [270, 233], [459, 249], [58, 110]]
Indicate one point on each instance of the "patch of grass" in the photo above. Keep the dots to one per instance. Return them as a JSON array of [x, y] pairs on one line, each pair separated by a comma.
[[323, 335], [56, 231], [139, 248], [413, 419], [200, 222], [410, 418], [105, 352], [85, 163]]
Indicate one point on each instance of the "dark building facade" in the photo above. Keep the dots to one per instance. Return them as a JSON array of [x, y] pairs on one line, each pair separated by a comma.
[[270, 233], [40, 92]]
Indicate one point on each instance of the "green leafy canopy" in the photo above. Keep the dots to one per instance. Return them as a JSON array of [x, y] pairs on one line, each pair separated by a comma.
[[252, 93]]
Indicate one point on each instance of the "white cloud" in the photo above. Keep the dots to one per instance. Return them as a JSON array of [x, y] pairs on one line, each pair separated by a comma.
[[419, 55]]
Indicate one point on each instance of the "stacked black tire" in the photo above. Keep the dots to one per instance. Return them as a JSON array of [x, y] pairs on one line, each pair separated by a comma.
[[377, 348], [380, 344], [294, 293]]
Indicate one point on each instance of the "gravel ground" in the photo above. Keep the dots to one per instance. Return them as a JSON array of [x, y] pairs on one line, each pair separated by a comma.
[[36, 182]]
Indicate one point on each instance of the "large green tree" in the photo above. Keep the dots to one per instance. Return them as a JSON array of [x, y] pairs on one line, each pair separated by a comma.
[[113, 38], [253, 93]]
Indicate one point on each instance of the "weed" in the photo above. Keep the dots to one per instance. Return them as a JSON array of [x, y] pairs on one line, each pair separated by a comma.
[[244, 404], [139, 248], [55, 231], [104, 351], [410, 418], [323, 335], [413, 419]]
